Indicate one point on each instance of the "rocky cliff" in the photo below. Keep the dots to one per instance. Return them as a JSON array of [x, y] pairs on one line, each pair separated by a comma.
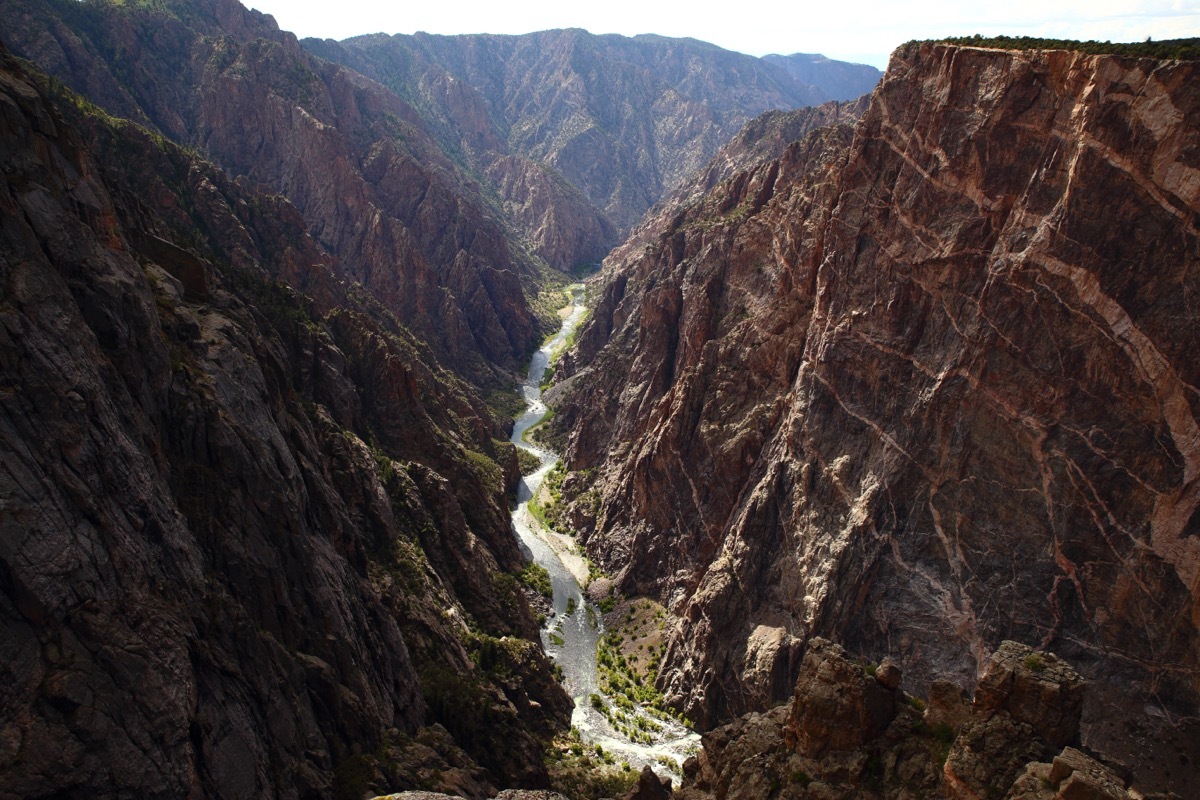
[[622, 120], [254, 538], [921, 388], [850, 732], [360, 164]]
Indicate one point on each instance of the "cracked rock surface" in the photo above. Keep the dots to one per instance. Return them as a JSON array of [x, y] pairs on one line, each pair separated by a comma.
[[923, 385]]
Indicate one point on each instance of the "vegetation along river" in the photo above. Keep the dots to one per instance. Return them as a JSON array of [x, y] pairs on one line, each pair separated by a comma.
[[575, 628]]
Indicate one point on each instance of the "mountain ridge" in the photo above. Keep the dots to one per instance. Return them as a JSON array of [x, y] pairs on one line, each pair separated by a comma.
[[623, 119], [373, 185]]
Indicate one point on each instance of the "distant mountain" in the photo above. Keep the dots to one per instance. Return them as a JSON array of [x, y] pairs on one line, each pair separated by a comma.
[[841, 80], [615, 121]]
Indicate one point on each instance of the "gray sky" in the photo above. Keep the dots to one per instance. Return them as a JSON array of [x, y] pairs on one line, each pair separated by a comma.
[[853, 30]]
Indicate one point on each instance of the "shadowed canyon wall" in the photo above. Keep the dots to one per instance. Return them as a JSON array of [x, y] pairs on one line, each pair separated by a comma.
[[357, 161], [252, 541]]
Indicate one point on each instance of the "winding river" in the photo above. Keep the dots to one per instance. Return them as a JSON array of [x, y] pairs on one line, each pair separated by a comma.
[[571, 639]]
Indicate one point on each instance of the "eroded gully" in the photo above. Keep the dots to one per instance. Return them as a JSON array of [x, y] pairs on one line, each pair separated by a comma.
[[580, 631]]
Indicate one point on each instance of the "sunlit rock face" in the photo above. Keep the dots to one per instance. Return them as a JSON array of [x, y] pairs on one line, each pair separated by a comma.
[[919, 386]]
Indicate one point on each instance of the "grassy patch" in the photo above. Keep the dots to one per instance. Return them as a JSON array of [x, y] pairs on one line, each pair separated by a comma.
[[539, 432], [528, 462], [548, 506]]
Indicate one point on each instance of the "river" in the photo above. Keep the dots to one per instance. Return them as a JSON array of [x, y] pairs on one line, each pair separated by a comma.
[[571, 639]]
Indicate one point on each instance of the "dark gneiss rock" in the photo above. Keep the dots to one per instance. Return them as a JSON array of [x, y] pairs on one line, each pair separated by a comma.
[[1033, 687], [888, 674], [1027, 705], [650, 787], [830, 744], [210, 584]]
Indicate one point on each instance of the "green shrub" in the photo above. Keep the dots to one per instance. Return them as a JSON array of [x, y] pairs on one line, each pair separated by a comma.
[[534, 576], [528, 462], [1168, 48]]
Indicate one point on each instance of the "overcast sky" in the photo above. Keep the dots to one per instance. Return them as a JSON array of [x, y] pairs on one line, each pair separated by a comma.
[[853, 30]]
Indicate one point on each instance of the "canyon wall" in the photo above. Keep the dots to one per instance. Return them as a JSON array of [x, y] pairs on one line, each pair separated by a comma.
[[919, 386], [253, 541], [359, 163]]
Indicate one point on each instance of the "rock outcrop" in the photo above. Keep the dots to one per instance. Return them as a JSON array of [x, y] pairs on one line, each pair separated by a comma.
[[847, 735], [254, 536], [837, 704], [923, 388], [1027, 705]]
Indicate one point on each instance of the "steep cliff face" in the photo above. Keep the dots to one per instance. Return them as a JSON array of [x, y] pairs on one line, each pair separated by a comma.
[[210, 583], [623, 120], [355, 159], [921, 393]]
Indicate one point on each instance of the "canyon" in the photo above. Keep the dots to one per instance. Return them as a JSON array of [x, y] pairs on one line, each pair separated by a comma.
[[883, 399]]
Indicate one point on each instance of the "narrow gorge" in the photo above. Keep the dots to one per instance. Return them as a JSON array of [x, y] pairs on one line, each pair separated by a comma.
[[863, 467], [575, 628]]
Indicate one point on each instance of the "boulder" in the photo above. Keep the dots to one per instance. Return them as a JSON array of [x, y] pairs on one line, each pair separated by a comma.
[[1073, 775], [1034, 687], [837, 704], [947, 706], [649, 787]]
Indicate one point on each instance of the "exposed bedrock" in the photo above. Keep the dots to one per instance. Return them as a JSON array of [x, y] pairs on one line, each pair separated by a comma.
[[923, 387]]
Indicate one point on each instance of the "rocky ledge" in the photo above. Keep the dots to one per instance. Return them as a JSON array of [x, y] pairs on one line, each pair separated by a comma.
[[851, 732]]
